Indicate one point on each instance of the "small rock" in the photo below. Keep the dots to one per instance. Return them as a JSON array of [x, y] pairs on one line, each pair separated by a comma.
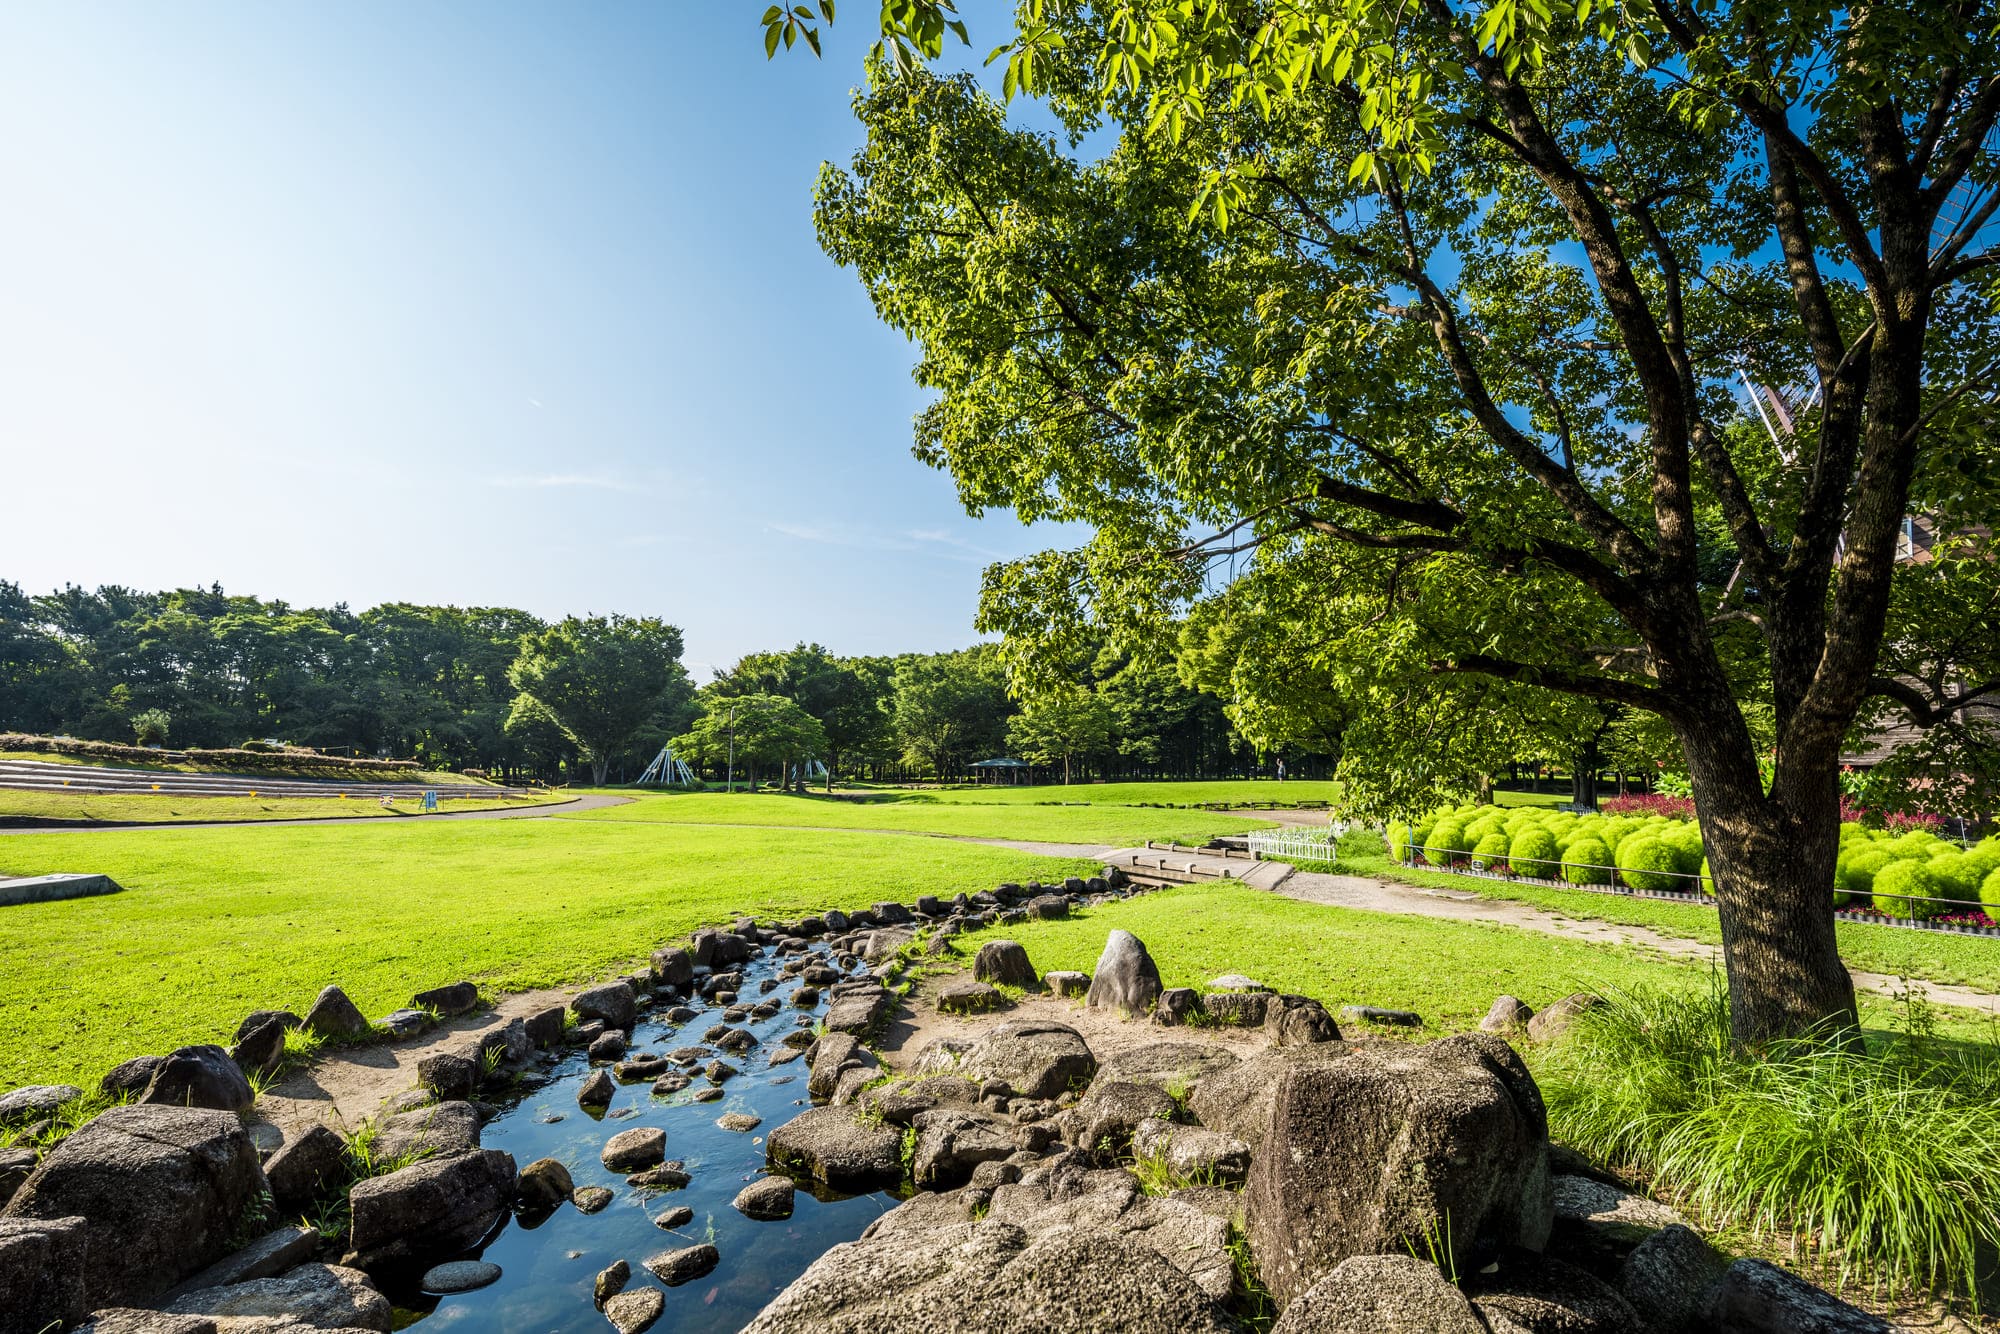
[[129, 1076], [614, 1004], [544, 1184], [741, 1122], [308, 1167], [1668, 1274], [965, 996], [36, 1101], [1004, 963], [635, 1311], [636, 1149], [459, 1276], [674, 1268], [608, 1046], [1235, 982], [710, 1094], [677, 1217], [447, 1076], [262, 1050], [200, 1077], [407, 1023], [1554, 1021], [447, 1001], [1126, 978], [1757, 1297], [596, 1090], [719, 1072], [333, 1015], [1508, 1015], [765, 1200], [1067, 984], [545, 1027], [1374, 1014], [611, 1281], [667, 1176], [1176, 1006], [590, 1199]]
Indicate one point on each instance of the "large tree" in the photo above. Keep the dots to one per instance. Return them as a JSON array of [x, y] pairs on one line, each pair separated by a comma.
[[598, 678], [750, 731], [1443, 314]]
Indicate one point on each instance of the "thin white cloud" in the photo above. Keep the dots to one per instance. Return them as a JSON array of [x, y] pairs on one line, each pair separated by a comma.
[[935, 542], [534, 402], [590, 481]]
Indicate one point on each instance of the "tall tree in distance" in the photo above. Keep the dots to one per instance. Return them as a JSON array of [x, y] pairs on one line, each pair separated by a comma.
[[1441, 313], [947, 705], [1062, 725], [754, 731], [599, 679]]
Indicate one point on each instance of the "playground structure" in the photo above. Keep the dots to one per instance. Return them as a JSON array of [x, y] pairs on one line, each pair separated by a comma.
[[668, 770]]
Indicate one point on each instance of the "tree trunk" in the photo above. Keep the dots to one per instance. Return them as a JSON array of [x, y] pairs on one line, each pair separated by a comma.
[[599, 766], [1583, 778], [1772, 860]]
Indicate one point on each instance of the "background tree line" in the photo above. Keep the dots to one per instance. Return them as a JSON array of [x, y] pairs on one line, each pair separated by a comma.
[[499, 689]]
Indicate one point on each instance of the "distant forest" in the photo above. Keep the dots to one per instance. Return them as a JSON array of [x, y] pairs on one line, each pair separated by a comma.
[[197, 667]]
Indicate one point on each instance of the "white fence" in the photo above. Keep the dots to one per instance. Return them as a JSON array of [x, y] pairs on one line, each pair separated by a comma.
[[1315, 844]]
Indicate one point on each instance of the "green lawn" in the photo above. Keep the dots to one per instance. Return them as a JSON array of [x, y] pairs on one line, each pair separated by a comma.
[[333, 768], [1934, 956], [1448, 972], [180, 808], [929, 813], [217, 922], [1137, 793]]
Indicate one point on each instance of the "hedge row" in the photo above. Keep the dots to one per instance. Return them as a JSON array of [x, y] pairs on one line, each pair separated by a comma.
[[1906, 873], [263, 760]]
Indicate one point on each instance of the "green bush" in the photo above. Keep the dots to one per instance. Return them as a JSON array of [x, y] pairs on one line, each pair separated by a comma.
[[1491, 850], [1707, 880], [1854, 874], [1447, 841], [1398, 838], [1958, 878], [1420, 833], [1885, 1155], [1646, 863], [1585, 862], [1907, 888], [1533, 852], [1989, 895], [1480, 828]]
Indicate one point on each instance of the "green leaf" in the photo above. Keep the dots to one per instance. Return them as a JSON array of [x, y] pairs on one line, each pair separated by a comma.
[[771, 36]]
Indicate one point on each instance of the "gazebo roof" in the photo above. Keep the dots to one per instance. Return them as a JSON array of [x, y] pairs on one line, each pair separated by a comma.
[[1001, 763]]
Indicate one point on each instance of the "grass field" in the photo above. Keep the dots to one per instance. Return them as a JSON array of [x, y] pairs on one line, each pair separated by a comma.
[[1934, 956], [1111, 823], [1448, 972], [1147, 793], [217, 922], [180, 808]]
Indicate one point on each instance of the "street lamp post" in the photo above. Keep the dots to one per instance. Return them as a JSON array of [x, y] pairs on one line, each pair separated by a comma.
[[732, 749]]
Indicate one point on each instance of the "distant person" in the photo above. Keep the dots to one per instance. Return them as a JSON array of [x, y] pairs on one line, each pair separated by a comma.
[[1281, 771]]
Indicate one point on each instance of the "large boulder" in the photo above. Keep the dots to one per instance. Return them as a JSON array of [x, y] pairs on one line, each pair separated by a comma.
[[1178, 1066], [316, 1296], [1538, 1292], [835, 1055], [165, 1191], [1126, 978], [1070, 1251], [833, 1145], [200, 1077], [899, 1103], [859, 1011], [307, 1167], [1299, 1021], [1403, 1150], [635, 1150], [430, 1209], [1381, 1294], [1757, 1297], [1667, 1277], [1106, 1117], [1236, 1099], [1004, 963], [673, 967], [333, 1015], [427, 1132], [455, 998], [43, 1268], [1037, 1058], [262, 1050], [951, 1141], [614, 1004]]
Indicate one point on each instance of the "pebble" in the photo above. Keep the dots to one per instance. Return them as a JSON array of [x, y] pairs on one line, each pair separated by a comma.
[[459, 1276]]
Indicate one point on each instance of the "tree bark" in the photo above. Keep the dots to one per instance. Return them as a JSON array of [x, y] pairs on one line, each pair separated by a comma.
[[599, 766]]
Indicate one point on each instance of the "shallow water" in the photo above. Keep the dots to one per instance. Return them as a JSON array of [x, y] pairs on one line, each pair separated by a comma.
[[549, 1265]]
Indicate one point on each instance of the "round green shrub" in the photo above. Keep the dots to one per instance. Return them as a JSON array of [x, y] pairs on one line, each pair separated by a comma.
[[1587, 862], [1491, 850], [1480, 829], [1989, 895], [1533, 852], [1686, 844], [1917, 843], [1446, 841], [1854, 874], [1420, 833], [1907, 888], [1397, 836], [1959, 878], [1646, 863], [1707, 880]]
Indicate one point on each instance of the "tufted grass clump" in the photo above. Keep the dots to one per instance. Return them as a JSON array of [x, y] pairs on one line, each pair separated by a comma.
[[1879, 1161]]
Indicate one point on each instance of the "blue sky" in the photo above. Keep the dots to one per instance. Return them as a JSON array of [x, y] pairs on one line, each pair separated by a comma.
[[494, 303]]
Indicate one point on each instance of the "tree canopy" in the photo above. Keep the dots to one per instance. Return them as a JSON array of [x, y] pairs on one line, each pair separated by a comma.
[[754, 731], [1462, 380], [598, 679]]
